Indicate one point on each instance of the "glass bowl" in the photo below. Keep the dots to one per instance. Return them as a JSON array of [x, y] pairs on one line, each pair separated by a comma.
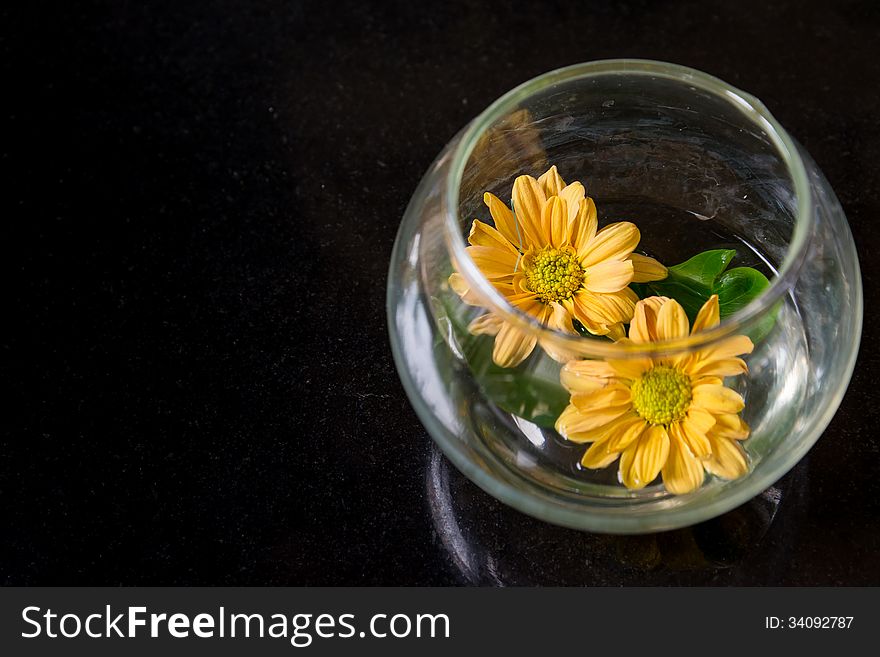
[[697, 165]]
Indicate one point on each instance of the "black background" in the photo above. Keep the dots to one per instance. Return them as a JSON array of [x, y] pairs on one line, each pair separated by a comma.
[[199, 202]]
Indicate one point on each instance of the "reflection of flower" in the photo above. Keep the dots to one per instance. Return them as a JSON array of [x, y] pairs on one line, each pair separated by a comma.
[[516, 138], [550, 261], [665, 414]]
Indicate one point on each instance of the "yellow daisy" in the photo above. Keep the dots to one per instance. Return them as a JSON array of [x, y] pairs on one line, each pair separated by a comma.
[[548, 258], [666, 415]]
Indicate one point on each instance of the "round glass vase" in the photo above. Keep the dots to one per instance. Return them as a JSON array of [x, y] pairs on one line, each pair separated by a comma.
[[697, 165]]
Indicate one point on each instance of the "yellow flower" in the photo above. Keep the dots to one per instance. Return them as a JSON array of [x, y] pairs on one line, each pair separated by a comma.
[[548, 258], [670, 415]]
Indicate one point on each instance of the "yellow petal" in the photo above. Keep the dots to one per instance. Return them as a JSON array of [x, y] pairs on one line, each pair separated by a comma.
[[487, 324], [587, 420], [519, 281], [484, 235], [493, 263], [616, 331], [530, 306], [608, 276], [460, 286], [569, 415], [586, 375], [594, 327], [573, 194], [646, 269], [582, 384], [728, 459], [630, 368], [558, 318], [512, 346], [672, 322], [504, 220], [551, 182], [656, 303], [614, 242], [598, 457], [641, 462], [554, 218], [588, 309], [534, 308], [643, 327], [541, 311], [727, 348], [588, 369], [708, 317], [731, 426], [717, 399], [601, 433], [528, 201], [584, 308], [620, 305], [682, 472], [611, 395], [726, 367], [629, 431], [610, 308], [705, 381], [680, 361], [625, 469], [689, 434], [586, 224], [701, 419]]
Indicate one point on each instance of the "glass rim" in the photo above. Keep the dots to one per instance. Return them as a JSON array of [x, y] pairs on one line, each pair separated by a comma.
[[752, 108]]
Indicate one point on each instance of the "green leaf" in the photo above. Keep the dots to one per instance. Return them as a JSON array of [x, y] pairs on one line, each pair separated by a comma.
[[690, 299], [700, 272], [692, 283], [738, 287], [531, 390]]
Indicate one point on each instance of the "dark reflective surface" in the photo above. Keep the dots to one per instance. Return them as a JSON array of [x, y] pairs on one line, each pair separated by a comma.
[[200, 204], [490, 544]]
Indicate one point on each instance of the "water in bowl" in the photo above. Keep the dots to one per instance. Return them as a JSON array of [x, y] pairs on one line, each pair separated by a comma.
[[773, 391]]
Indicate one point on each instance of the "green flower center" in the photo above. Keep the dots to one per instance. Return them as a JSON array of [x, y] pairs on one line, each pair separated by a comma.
[[554, 274], [662, 395]]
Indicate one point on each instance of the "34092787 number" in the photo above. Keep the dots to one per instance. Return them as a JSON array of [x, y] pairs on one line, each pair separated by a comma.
[[809, 622]]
